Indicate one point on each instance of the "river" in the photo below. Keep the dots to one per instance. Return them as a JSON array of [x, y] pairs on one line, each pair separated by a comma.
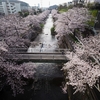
[[49, 75], [45, 42]]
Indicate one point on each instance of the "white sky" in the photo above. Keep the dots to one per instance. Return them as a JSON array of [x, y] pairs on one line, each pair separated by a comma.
[[45, 3]]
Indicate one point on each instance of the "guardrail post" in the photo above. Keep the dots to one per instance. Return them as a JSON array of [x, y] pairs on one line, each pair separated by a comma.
[[53, 57]]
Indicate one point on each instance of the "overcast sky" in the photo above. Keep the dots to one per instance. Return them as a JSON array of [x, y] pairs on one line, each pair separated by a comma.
[[45, 3]]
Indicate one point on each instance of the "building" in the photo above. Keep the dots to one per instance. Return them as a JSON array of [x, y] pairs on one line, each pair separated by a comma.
[[86, 2], [69, 3], [10, 7], [75, 2], [24, 8], [1, 9], [91, 1]]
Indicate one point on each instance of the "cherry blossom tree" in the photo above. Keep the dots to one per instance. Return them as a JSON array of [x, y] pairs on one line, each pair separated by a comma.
[[71, 20], [54, 14], [12, 74], [15, 32], [18, 32], [42, 16], [72, 25], [84, 66]]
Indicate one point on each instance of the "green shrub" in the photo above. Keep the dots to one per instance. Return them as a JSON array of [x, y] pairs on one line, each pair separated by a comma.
[[20, 13], [42, 25], [26, 14], [23, 14], [53, 31], [90, 5], [91, 23]]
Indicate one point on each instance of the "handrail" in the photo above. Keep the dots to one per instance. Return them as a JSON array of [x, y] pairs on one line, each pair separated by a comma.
[[36, 50], [61, 55], [59, 58]]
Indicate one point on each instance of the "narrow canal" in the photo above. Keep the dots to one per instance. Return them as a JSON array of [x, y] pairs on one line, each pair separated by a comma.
[[45, 42], [49, 76]]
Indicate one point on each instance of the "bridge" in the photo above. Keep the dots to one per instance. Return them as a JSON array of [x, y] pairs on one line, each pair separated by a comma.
[[56, 56]]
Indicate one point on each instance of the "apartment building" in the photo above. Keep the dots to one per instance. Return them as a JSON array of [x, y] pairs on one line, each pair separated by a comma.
[[10, 7], [87, 1], [1, 9]]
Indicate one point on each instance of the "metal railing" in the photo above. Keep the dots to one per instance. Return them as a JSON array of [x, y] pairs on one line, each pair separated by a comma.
[[37, 57], [36, 50]]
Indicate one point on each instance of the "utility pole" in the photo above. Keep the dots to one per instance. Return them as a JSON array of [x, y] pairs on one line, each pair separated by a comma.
[[41, 3], [49, 3]]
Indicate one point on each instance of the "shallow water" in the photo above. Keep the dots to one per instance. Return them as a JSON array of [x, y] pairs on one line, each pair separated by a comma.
[[45, 42]]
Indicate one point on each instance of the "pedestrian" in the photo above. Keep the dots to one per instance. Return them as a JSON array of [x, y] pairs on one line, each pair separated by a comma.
[[41, 45], [62, 51]]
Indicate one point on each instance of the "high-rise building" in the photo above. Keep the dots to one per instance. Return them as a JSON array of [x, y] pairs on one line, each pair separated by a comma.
[[10, 7], [1, 9]]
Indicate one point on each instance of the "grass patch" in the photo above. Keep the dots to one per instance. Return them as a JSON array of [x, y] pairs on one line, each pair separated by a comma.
[[63, 10], [94, 14], [91, 23]]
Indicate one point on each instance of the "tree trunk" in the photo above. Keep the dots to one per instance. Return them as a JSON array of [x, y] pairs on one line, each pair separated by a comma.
[[91, 93], [70, 93]]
